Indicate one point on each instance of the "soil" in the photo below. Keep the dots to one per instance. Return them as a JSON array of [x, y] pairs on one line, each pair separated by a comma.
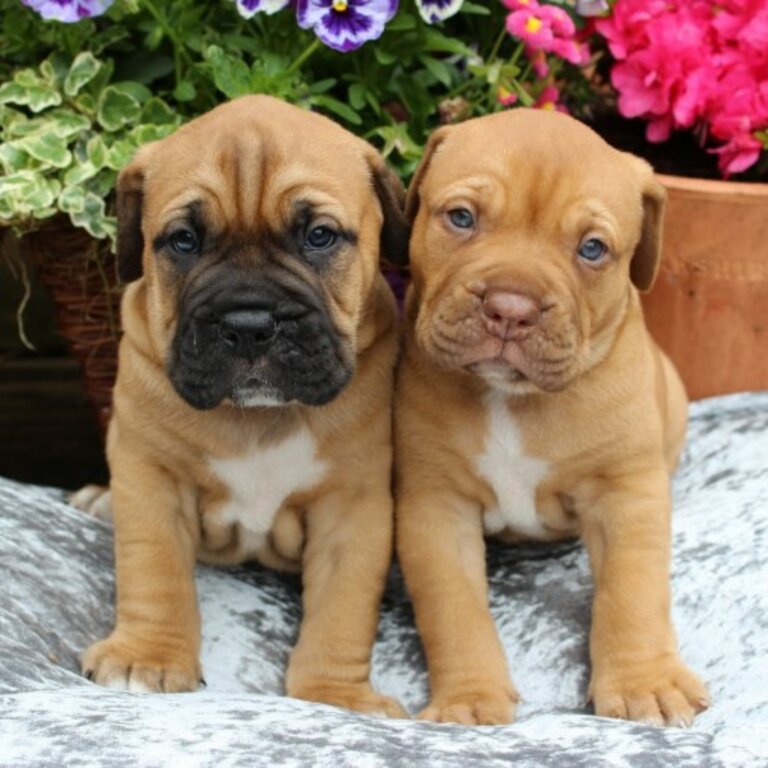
[[681, 155]]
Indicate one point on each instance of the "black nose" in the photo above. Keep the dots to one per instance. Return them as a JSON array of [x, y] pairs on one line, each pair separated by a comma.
[[247, 331]]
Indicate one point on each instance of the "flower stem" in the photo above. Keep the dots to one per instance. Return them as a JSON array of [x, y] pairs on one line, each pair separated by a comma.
[[496, 46], [179, 51], [303, 56]]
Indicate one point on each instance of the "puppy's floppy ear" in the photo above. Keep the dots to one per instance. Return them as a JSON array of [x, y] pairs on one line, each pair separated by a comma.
[[395, 230], [130, 199], [412, 199], [647, 255]]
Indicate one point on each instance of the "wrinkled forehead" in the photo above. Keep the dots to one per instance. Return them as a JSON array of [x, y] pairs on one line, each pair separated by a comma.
[[539, 171], [241, 174]]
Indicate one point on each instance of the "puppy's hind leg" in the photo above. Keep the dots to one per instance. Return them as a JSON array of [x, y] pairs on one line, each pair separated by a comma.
[[94, 500]]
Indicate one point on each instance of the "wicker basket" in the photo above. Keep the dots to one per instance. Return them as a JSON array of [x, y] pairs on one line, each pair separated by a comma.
[[80, 274]]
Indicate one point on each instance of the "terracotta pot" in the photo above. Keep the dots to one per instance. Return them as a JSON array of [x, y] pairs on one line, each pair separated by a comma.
[[709, 307]]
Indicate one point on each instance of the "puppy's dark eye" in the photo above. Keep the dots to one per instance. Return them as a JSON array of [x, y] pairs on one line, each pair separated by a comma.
[[592, 250], [320, 238], [184, 242], [461, 218]]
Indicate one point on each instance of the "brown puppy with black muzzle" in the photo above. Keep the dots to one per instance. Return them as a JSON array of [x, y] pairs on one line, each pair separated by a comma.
[[252, 410], [531, 402]]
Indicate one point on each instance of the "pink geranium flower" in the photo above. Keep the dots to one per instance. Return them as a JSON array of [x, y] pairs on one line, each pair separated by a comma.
[[546, 30], [530, 27], [694, 64]]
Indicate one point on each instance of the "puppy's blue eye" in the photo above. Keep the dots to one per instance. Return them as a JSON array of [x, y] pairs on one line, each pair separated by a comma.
[[184, 242], [320, 238], [461, 218], [592, 250]]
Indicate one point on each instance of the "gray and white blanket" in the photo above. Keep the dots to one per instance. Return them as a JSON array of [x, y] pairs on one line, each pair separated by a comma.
[[56, 597]]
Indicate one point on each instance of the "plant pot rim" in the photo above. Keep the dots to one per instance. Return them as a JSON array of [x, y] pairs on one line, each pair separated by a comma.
[[749, 190]]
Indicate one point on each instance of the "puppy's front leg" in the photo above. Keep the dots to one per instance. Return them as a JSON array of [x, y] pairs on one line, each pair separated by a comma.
[[156, 640], [345, 565], [636, 671], [442, 553]]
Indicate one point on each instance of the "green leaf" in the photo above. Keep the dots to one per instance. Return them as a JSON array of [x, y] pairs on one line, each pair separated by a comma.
[[30, 92], [148, 68], [493, 72], [121, 153], [154, 38], [72, 200], [436, 41], [103, 183], [54, 69], [79, 173], [84, 68], [439, 70], [157, 112], [138, 91], [12, 159], [230, 75], [48, 148], [7, 210], [338, 108], [397, 139], [117, 107], [93, 218], [143, 134], [86, 103], [63, 122], [184, 91], [383, 57], [356, 96], [322, 86], [26, 193], [96, 151], [402, 23], [474, 8]]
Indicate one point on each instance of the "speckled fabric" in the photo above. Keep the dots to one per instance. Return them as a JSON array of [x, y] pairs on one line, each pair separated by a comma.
[[56, 596]]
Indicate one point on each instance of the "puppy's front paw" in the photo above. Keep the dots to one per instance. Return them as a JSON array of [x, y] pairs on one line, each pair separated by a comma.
[[358, 697], [665, 693], [94, 500], [483, 706], [117, 664]]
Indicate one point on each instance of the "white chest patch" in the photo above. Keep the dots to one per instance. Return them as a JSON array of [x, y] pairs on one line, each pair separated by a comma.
[[260, 481], [513, 476]]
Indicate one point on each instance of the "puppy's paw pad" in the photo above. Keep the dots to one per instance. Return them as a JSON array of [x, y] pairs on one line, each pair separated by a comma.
[[672, 697], [359, 698], [489, 707], [94, 500], [116, 665]]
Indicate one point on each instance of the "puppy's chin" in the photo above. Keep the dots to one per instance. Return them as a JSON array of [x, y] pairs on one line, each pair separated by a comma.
[[499, 376], [502, 377], [259, 386], [256, 397]]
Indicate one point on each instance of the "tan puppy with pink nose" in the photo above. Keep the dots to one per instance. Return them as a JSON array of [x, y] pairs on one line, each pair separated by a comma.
[[531, 402]]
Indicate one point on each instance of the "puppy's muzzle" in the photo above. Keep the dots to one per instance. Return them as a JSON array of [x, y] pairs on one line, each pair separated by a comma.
[[248, 332], [257, 344], [509, 315]]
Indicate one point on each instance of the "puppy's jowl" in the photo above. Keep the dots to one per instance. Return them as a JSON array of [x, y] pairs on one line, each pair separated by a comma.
[[531, 402], [253, 403]]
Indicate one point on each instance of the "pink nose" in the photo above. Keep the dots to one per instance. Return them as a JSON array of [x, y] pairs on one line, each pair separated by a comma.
[[510, 315]]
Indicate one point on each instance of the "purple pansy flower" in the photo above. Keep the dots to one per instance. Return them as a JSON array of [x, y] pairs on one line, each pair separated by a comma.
[[345, 24], [433, 11], [248, 8], [68, 10]]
